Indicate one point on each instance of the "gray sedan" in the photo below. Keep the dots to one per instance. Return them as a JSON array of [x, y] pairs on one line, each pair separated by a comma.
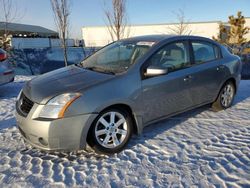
[[124, 87]]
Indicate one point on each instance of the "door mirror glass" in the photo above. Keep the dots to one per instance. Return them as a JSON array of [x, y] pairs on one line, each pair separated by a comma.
[[155, 71]]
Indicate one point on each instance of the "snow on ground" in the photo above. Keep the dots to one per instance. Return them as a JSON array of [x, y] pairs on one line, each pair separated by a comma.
[[198, 148]]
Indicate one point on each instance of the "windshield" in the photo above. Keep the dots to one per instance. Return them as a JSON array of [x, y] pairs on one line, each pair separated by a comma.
[[117, 57]]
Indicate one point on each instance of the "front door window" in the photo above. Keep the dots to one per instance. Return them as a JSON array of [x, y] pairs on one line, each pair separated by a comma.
[[173, 56]]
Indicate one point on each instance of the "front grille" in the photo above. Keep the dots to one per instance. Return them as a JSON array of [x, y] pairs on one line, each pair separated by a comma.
[[25, 104]]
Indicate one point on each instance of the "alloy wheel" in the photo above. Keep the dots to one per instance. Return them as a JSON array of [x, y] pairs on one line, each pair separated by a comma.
[[111, 129], [227, 95]]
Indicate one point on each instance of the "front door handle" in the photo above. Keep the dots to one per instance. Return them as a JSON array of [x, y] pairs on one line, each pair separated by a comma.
[[188, 78]]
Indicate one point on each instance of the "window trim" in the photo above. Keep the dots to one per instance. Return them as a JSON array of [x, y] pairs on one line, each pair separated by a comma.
[[204, 42], [146, 62]]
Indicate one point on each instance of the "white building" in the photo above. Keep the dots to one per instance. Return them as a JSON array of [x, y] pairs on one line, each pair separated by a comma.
[[32, 36], [248, 25], [20, 30], [99, 36]]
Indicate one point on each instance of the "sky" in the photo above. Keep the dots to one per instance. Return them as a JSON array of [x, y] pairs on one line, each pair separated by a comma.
[[90, 12]]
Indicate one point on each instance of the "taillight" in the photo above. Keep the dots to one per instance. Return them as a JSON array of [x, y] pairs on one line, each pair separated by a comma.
[[8, 72], [3, 56]]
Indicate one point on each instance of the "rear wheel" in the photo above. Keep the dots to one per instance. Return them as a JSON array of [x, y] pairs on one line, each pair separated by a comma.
[[111, 131], [225, 98]]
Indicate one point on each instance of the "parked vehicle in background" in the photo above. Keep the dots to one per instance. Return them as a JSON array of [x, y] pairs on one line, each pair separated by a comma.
[[54, 58], [123, 87], [246, 50], [6, 70], [246, 53]]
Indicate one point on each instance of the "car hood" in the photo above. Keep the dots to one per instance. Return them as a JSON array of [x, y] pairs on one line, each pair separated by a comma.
[[64, 80]]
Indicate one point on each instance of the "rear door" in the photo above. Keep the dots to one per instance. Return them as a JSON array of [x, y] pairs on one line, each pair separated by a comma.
[[207, 71]]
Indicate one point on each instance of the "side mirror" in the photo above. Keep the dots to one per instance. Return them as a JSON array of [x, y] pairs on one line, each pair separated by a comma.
[[155, 71]]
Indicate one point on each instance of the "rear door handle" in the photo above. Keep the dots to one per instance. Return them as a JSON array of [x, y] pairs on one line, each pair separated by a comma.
[[188, 78], [220, 67]]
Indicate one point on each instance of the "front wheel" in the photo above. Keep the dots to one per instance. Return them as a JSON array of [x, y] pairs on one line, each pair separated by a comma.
[[225, 98], [111, 131]]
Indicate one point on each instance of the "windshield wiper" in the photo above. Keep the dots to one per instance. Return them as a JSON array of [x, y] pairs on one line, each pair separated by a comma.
[[99, 69], [96, 69]]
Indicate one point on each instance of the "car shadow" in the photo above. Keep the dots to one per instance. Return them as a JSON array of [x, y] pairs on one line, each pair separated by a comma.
[[10, 90], [151, 131], [242, 94], [7, 123]]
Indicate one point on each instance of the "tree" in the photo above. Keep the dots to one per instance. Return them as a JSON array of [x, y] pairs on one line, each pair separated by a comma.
[[117, 20], [61, 10], [8, 14], [182, 26], [223, 36], [235, 32], [237, 29]]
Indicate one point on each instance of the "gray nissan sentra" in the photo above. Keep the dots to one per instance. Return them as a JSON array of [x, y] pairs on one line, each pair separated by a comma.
[[124, 87]]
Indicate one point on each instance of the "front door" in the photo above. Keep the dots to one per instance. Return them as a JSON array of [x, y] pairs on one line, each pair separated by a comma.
[[167, 94]]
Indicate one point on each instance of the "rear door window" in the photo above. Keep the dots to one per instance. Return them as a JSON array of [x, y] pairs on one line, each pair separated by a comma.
[[204, 52]]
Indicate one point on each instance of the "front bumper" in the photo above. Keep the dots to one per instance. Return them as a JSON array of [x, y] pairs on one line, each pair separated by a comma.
[[66, 134]]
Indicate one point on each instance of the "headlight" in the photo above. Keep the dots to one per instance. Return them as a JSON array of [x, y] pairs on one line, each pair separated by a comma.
[[56, 106]]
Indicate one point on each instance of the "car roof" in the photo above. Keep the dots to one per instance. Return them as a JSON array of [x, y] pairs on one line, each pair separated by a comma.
[[150, 37], [159, 38]]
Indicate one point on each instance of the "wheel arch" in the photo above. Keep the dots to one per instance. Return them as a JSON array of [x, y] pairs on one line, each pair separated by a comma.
[[129, 110], [231, 79], [217, 105], [121, 106]]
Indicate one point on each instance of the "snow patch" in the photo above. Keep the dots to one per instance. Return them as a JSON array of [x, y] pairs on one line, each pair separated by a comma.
[[199, 148]]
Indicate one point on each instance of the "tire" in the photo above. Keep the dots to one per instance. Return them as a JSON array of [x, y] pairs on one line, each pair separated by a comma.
[[225, 97], [111, 131]]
